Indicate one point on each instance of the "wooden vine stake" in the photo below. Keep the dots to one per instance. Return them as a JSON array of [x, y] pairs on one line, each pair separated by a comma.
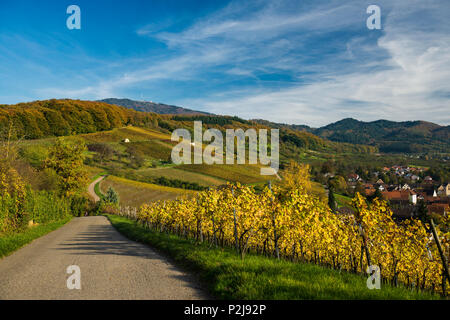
[[236, 240], [275, 238], [441, 252]]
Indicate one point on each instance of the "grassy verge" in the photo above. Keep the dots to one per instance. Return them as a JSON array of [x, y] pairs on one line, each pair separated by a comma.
[[10, 243], [97, 190], [257, 277]]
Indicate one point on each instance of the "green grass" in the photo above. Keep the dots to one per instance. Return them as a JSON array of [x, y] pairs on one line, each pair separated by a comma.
[[97, 190], [257, 277], [343, 201], [10, 243]]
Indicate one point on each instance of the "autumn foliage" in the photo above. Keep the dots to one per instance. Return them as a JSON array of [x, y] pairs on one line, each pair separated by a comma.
[[296, 225], [39, 119]]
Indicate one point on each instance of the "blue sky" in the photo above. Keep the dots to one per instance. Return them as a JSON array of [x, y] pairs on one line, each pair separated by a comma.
[[304, 62]]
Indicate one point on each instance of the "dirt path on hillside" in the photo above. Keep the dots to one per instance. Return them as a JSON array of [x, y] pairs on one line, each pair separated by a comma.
[[91, 189]]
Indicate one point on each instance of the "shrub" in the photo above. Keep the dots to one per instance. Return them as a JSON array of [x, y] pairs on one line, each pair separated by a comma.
[[111, 197], [79, 205]]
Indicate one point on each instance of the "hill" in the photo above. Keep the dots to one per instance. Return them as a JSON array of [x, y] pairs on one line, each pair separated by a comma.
[[389, 136], [148, 106], [40, 119]]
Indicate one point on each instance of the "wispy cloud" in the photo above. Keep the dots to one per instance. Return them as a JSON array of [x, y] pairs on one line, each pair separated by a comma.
[[291, 61], [408, 80]]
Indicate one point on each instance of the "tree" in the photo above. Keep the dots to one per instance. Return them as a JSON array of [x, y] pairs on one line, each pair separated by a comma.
[[296, 175], [66, 157], [422, 210], [339, 184], [332, 200], [327, 167], [103, 150]]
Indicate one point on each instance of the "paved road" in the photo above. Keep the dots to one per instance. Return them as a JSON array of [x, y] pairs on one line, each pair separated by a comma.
[[91, 189], [112, 267]]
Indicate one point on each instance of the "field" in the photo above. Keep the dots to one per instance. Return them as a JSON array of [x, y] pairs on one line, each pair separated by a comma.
[[134, 194], [155, 148], [120, 134], [246, 174], [175, 173]]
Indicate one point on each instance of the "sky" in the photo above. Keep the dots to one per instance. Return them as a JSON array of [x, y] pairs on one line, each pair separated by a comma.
[[307, 62]]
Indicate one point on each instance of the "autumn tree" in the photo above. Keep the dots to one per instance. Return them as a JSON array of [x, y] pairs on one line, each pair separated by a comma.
[[296, 175], [12, 188], [66, 158], [338, 184]]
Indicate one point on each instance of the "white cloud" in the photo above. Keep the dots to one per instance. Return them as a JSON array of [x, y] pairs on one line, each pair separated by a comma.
[[411, 83], [403, 76]]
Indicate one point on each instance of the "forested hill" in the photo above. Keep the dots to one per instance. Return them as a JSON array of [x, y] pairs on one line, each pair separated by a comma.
[[148, 106], [389, 136], [40, 119]]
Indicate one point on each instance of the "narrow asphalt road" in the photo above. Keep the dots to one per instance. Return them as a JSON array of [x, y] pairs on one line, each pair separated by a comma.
[[112, 267]]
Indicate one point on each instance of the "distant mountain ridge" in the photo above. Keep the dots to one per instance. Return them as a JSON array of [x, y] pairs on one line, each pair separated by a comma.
[[389, 136], [149, 106]]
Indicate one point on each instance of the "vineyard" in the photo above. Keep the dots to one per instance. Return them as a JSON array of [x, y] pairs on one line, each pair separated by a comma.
[[294, 225]]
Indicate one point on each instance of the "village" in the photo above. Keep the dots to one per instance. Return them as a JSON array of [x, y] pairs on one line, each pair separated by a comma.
[[414, 191]]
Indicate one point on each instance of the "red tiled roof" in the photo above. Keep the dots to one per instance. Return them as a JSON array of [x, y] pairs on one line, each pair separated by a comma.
[[396, 195]]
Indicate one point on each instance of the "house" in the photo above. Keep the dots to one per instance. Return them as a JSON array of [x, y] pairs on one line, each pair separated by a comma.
[[444, 190], [126, 140], [412, 197], [401, 196], [405, 187], [428, 178], [379, 181], [353, 177]]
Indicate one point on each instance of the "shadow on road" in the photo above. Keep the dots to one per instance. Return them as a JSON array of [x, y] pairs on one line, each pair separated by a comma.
[[103, 239]]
